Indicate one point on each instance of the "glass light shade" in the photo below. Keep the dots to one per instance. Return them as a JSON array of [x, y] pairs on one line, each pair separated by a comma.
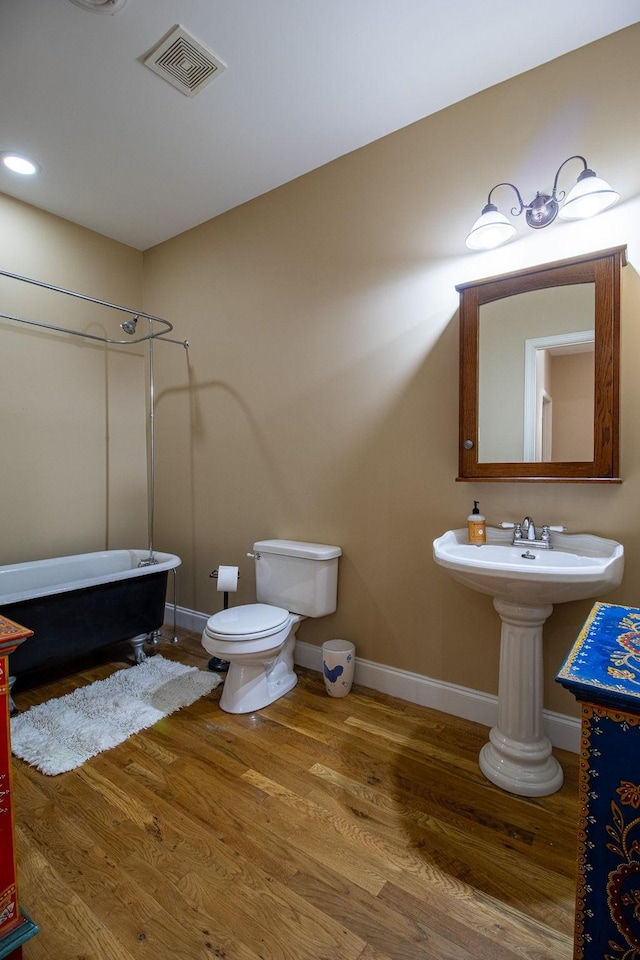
[[590, 195], [490, 230]]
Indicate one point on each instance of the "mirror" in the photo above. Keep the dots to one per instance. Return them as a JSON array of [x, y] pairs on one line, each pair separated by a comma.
[[542, 343], [539, 362]]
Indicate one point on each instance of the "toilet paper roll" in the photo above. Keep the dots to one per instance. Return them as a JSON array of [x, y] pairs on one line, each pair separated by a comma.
[[227, 579]]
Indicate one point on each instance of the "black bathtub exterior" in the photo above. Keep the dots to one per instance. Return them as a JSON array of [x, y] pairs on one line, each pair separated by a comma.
[[72, 624]]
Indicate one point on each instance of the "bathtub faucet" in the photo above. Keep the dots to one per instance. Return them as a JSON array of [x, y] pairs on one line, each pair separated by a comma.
[[149, 561]]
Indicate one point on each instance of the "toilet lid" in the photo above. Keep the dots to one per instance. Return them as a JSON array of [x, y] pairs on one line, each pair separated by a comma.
[[249, 620]]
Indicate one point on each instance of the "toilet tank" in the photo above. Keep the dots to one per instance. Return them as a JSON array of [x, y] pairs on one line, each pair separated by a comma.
[[301, 577]]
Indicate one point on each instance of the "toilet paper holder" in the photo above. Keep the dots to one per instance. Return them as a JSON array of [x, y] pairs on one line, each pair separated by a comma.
[[214, 576], [216, 663]]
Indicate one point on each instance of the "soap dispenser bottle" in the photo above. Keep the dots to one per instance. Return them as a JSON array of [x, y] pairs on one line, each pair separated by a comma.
[[476, 526]]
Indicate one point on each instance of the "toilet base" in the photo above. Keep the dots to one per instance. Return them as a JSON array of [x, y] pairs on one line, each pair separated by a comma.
[[248, 687], [255, 680]]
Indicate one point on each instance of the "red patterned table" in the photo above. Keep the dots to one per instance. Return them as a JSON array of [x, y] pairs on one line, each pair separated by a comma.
[[15, 926]]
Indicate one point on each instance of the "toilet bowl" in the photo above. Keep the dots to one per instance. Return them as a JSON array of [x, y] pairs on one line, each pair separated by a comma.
[[258, 639]]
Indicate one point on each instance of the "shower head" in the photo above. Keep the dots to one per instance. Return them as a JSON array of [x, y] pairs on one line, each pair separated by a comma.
[[129, 326]]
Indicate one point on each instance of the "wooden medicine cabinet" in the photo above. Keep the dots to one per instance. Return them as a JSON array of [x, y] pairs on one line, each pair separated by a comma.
[[539, 372]]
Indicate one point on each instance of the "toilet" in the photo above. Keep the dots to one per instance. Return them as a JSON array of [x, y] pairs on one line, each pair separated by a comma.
[[294, 580]]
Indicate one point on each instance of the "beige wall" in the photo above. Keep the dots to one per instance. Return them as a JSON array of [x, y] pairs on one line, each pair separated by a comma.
[[73, 461], [318, 399]]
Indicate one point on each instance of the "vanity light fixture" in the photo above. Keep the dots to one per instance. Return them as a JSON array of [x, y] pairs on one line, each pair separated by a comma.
[[589, 196], [18, 163]]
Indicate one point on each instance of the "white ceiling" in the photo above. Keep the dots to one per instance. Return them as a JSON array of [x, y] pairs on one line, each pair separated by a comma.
[[126, 154]]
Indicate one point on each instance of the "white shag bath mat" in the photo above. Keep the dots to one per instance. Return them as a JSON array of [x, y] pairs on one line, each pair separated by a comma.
[[61, 734]]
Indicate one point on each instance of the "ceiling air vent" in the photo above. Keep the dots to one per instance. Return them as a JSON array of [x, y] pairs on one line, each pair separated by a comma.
[[184, 62]]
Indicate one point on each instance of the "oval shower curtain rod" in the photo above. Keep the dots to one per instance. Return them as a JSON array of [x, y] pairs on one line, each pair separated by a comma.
[[134, 314], [129, 326]]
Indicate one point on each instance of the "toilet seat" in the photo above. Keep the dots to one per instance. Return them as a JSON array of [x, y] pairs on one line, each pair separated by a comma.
[[251, 621]]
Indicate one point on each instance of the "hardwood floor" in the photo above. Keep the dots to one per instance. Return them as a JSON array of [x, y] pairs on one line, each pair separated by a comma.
[[358, 828]]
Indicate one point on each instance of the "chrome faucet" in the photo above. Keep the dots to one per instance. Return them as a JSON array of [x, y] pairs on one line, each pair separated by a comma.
[[526, 535]]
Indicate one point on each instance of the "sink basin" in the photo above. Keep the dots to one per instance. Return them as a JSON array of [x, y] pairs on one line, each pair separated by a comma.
[[578, 567], [525, 582]]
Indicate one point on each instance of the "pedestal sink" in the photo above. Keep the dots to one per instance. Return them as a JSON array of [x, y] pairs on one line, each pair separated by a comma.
[[525, 583]]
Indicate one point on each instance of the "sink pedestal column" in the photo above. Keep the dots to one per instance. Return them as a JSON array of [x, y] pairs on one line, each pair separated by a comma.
[[518, 756]]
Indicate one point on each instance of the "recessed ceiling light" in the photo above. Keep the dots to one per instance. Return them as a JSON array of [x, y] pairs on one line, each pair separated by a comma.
[[101, 6], [18, 163]]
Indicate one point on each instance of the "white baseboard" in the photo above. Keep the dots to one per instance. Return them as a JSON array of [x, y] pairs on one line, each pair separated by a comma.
[[188, 619], [563, 731]]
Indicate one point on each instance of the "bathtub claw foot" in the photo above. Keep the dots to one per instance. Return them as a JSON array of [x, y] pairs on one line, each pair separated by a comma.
[[12, 704], [137, 644]]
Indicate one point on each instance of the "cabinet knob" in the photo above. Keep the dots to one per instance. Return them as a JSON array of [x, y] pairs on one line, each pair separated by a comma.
[[468, 444]]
